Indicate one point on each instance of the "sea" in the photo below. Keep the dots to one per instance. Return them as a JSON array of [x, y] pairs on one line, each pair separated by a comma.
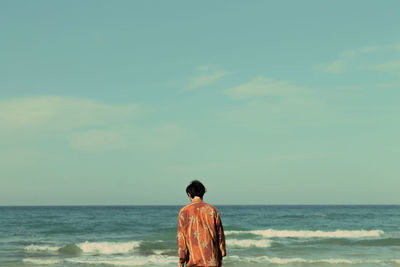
[[88, 236]]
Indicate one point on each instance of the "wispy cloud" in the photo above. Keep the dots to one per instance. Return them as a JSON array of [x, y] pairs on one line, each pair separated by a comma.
[[392, 67], [364, 50], [87, 125], [207, 75], [347, 59], [57, 113], [272, 106], [336, 67], [260, 87]]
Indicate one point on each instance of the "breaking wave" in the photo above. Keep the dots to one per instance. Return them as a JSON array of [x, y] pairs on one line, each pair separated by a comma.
[[163, 260], [89, 248], [248, 243], [275, 260], [108, 247], [127, 261], [269, 233], [42, 261], [40, 248], [116, 261]]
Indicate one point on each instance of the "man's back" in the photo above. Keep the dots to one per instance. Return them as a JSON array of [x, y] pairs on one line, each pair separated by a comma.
[[201, 237]]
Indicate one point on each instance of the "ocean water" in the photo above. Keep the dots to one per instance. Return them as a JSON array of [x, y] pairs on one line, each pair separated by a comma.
[[146, 236]]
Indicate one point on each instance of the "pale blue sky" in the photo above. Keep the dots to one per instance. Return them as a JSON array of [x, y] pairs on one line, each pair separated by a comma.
[[266, 102]]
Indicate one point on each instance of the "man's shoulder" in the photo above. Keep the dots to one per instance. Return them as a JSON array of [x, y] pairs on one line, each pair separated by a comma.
[[210, 206], [204, 204], [184, 208]]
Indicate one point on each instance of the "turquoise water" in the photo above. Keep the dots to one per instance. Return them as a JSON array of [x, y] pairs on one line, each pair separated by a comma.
[[146, 236]]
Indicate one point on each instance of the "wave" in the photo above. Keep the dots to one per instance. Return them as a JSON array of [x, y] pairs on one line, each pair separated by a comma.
[[126, 261], [163, 260], [269, 233], [248, 243], [41, 248], [42, 261], [275, 260], [108, 247], [88, 247], [118, 261]]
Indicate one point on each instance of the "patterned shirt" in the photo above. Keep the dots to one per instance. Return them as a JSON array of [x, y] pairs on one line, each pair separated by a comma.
[[201, 238]]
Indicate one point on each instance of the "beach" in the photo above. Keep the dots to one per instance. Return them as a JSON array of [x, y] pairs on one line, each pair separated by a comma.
[[146, 235]]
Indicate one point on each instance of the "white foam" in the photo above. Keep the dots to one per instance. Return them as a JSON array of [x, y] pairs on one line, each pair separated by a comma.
[[248, 243], [108, 247], [158, 251], [33, 248], [269, 233], [127, 261], [93, 247], [42, 261], [275, 260]]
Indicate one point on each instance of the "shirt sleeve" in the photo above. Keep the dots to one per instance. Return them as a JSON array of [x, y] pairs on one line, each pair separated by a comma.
[[221, 235], [182, 247]]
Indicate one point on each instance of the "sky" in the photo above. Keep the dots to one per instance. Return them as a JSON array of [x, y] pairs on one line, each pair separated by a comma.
[[265, 102]]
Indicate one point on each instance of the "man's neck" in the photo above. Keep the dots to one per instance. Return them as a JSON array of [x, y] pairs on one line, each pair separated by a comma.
[[196, 199]]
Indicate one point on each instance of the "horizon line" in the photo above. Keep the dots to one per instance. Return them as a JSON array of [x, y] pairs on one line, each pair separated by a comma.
[[170, 205]]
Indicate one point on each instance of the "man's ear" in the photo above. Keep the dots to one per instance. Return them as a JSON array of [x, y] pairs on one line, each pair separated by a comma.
[[189, 195]]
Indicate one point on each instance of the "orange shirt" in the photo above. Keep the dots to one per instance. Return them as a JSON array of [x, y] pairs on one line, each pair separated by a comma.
[[201, 238]]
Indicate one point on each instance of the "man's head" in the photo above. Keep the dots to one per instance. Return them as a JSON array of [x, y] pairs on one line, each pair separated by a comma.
[[196, 188]]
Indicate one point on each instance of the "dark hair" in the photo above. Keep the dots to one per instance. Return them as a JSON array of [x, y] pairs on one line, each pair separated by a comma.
[[196, 188]]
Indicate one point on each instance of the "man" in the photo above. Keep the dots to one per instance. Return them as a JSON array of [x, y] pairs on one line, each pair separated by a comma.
[[201, 238]]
